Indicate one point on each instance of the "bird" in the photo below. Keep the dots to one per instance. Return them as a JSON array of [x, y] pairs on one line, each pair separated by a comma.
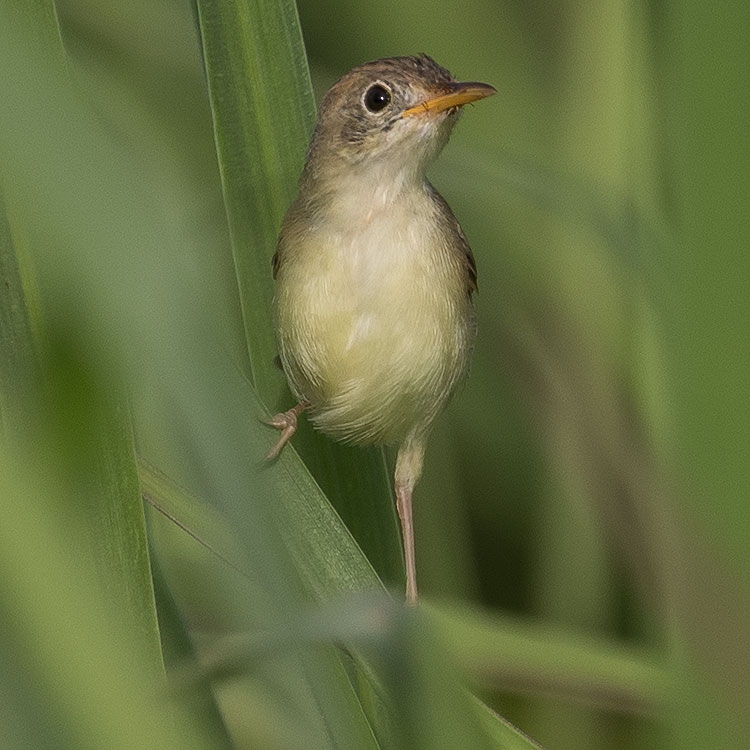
[[373, 304]]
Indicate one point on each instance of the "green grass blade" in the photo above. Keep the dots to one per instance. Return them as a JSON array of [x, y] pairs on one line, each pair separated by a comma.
[[495, 652], [75, 673], [324, 553], [501, 732], [263, 113], [49, 392], [19, 368], [515, 656], [178, 649]]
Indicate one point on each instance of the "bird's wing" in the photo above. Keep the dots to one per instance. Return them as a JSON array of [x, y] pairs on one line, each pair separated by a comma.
[[289, 234], [471, 264], [462, 247]]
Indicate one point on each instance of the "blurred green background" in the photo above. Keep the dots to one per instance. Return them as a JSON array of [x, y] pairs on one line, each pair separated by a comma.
[[583, 522]]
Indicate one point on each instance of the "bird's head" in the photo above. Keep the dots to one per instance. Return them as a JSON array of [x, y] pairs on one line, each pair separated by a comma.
[[397, 112]]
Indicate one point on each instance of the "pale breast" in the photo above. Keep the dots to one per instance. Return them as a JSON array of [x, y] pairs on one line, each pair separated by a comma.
[[375, 325]]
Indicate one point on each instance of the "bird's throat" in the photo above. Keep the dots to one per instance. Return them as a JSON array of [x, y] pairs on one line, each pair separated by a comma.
[[359, 199]]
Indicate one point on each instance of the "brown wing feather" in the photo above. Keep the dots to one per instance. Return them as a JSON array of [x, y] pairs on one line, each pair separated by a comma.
[[471, 267], [467, 257]]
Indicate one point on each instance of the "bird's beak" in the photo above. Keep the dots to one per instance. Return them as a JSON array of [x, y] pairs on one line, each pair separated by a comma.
[[459, 93]]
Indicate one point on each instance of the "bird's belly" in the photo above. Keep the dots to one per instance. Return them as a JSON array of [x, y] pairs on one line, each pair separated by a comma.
[[376, 351]]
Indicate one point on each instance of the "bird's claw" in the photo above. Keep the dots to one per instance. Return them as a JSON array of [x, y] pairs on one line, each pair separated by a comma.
[[283, 420], [286, 421]]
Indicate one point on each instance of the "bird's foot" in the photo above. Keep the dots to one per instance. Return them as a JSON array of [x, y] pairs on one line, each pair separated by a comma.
[[286, 421]]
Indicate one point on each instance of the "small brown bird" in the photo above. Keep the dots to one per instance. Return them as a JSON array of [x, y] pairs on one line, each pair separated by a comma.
[[374, 316]]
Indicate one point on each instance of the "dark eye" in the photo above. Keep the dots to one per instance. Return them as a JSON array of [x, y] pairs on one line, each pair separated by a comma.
[[377, 98]]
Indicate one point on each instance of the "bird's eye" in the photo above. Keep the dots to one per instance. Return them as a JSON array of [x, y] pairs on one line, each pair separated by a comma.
[[377, 97]]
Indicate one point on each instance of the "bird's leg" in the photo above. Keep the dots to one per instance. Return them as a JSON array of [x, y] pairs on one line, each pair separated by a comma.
[[408, 471], [286, 421], [403, 504]]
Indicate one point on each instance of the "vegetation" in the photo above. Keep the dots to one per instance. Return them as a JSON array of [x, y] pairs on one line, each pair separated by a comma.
[[582, 525]]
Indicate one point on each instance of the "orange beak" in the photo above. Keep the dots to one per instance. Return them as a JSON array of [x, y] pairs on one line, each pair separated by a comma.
[[459, 93]]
